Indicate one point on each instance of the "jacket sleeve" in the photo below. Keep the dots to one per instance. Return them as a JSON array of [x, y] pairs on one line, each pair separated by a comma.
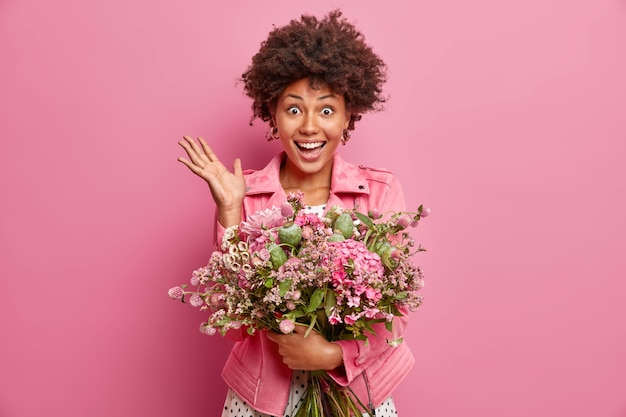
[[387, 196]]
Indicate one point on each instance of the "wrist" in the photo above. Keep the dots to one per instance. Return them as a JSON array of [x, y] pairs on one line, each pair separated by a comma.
[[229, 217], [334, 356]]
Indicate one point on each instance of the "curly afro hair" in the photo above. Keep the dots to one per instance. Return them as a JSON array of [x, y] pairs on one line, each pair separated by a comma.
[[330, 50]]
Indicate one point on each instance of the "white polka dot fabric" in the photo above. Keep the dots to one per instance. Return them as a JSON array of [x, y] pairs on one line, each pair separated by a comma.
[[319, 210]]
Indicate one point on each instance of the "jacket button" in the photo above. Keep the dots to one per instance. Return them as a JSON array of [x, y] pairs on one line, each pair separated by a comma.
[[360, 360]]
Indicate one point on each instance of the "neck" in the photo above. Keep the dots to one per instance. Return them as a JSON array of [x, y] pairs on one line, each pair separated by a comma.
[[315, 186]]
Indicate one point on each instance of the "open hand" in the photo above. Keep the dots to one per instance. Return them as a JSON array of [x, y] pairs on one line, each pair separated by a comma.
[[227, 188]]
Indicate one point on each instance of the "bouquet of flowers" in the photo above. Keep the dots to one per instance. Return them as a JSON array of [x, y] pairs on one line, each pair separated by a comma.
[[338, 275]]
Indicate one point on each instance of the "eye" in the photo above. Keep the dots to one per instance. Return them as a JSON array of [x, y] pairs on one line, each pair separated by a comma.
[[327, 111], [293, 110]]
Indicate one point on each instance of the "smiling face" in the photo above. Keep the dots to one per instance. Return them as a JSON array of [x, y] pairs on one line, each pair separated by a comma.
[[310, 122]]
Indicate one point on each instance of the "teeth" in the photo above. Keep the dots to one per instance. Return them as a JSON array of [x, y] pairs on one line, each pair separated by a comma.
[[312, 145]]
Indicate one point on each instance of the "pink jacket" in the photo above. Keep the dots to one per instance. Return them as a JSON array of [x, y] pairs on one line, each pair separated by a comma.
[[254, 369]]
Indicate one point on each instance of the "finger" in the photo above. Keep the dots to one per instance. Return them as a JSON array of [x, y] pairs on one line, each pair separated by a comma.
[[194, 168], [207, 150], [237, 167], [193, 151], [197, 150]]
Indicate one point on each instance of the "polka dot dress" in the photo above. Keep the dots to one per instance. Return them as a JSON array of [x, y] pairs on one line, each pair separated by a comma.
[[234, 406], [319, 210]]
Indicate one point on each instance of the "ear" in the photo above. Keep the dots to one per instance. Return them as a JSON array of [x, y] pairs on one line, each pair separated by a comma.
[[347, 122]]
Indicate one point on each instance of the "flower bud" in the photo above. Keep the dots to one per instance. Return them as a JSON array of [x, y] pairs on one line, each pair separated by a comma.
[[277, 256], [404, 221], [374, 214], [344, 225], [290, 234], [286, 209], [176, 293], [195, 300]]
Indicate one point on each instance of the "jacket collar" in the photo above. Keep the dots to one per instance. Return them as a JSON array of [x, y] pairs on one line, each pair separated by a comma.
[[345, 178]]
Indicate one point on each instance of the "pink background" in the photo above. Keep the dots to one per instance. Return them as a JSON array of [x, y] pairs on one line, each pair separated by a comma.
[[505, 117]]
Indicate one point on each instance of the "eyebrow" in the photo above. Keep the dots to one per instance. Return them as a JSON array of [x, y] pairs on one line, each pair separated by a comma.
[[318, 99]]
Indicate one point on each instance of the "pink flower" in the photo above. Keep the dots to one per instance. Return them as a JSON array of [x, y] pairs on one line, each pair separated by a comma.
[[424, 212], [264, 254], [256, 222], [176, 293], [216, 299], [195, 300], [373, 294], [351, 318], [354, 301], [307, 232], [404, 221], [334, 318], [195, 279], [286, 326], [286, 210], [207, 329]]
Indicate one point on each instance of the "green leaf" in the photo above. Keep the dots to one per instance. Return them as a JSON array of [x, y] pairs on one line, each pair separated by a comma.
[[394, 310], [389, 326], [311, 325], [269, 283], [394, 343], [316, 300], [297, 313], [330, 301], [401, 295], [364, 219], [350, 336], [367, 326], [283, 287]]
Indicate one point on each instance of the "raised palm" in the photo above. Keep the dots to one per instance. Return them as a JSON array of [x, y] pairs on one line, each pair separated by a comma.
[[227, 188]]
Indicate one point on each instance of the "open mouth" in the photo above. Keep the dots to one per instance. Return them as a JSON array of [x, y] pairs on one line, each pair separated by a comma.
[[310, 146]]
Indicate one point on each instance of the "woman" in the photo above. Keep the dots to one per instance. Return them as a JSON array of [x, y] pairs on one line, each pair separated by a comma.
[[311, 80]]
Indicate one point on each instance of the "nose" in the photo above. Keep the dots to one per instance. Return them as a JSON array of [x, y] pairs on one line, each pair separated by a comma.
[[309, 124]]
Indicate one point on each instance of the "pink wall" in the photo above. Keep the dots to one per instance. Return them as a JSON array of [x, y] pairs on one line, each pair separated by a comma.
[[507, 118]]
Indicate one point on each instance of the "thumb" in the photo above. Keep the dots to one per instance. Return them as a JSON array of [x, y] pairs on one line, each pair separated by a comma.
[[237, 170]]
